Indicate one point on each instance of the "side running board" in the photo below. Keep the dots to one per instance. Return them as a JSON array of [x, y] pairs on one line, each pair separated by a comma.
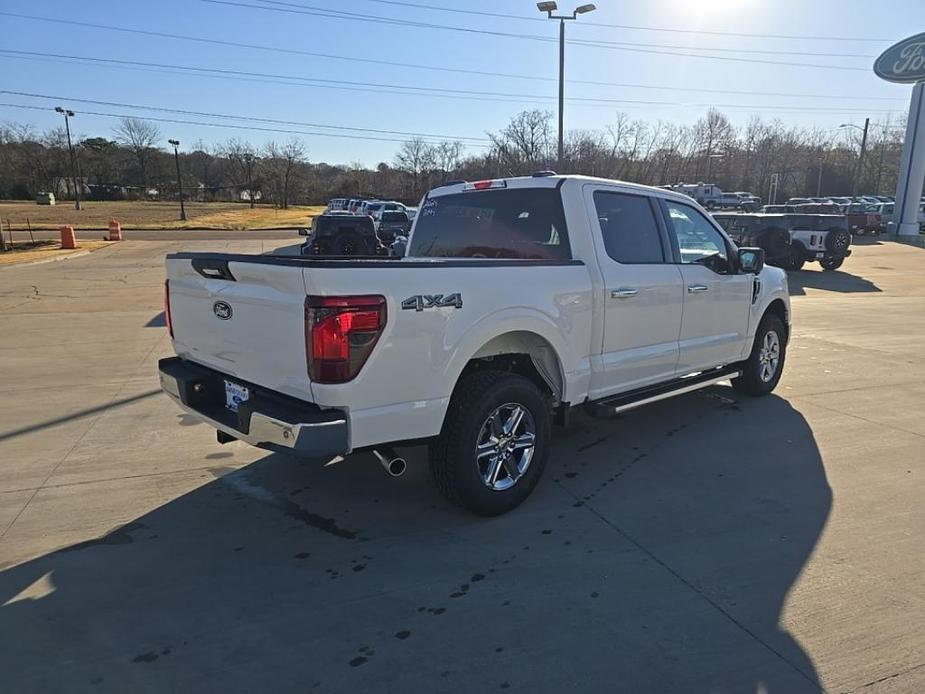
[[643, 396]]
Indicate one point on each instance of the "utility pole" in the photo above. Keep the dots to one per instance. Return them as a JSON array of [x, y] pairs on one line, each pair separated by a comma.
[[819, 176], [75, 167], [549, 8], [860, 168], [176, 158], [886, 130]]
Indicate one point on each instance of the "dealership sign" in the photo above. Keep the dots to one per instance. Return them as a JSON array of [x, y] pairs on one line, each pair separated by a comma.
[[904, 61]]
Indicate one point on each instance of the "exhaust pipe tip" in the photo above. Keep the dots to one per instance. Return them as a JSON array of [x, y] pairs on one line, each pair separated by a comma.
[[391, 462], [397, 467]]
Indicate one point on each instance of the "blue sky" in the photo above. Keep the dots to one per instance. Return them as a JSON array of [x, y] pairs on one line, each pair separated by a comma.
[[802, 95]]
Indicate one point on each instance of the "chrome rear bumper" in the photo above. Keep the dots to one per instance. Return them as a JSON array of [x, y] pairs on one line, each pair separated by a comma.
[[268, 420]]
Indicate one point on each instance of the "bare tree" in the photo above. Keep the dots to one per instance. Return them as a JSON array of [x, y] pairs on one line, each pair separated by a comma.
[[418, 158], [140, 137], [448, 156], [526, 139], [243, 160], [281, 165]]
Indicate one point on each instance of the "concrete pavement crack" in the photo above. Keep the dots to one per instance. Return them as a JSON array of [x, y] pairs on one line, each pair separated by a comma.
[[884, 679]]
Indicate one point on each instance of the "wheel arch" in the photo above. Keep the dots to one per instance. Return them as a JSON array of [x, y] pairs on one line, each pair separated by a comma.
[[526, 353], [778, 308]]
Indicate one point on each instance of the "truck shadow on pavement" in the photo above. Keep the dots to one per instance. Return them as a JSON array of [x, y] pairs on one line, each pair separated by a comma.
[[656, 555], [834, 281]]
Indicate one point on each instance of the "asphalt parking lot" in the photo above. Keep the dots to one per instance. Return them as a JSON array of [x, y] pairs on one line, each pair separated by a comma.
[[706, 544]]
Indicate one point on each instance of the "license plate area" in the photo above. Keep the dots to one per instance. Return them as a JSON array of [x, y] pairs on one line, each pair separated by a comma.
[[235, 394]]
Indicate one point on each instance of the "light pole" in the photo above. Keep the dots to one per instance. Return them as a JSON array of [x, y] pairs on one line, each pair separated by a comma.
[[176, 158], [75, 167], [857, 171], [549, 8]]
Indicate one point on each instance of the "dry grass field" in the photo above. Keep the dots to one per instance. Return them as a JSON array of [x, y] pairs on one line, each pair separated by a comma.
[[153, 215]]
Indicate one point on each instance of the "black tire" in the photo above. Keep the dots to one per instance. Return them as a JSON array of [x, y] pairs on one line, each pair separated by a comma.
[[752, 381], [453, 462], [831, 262], [349, 243], [837, 240], [797, 257]]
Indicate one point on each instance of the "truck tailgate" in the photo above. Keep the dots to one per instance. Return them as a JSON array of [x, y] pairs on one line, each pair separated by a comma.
[[244, 319]]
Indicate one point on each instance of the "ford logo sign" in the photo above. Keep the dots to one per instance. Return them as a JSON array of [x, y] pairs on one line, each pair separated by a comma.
[[903, 62], [222, 310]]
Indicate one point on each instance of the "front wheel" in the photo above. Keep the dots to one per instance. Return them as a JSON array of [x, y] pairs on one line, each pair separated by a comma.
[[765, 364], [494, 444]]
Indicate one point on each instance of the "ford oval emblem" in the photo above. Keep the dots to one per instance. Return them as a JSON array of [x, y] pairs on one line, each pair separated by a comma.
[[222, 310], [903, 62]]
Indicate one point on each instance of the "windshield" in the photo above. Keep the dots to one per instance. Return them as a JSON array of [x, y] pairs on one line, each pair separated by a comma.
[[526, 223]]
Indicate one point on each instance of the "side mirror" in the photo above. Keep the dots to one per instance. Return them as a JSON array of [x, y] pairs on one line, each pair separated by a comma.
[[751, 260], [304, 232]]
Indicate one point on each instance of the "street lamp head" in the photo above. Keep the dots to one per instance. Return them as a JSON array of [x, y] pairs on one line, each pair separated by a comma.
[[175, 143], [547, 6], [590, 7], [59, 109], [70, 113]]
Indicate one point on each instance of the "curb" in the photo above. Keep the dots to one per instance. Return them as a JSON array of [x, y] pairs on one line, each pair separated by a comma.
[[57, 259]]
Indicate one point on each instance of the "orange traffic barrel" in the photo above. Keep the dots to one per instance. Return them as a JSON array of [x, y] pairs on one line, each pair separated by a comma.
[[115, 230], [68, 237]]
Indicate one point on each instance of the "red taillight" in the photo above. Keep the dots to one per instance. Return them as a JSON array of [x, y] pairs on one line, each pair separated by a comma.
[[167, 316], [340, 333]]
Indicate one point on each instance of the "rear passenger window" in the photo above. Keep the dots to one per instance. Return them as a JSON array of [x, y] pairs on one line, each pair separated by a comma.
[[628, 227]]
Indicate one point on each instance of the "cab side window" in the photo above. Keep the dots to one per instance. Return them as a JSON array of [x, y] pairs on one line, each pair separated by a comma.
[[629, 227], [698, 240]]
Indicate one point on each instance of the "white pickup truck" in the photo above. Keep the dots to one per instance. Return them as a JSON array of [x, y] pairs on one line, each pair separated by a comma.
[[518, 299]]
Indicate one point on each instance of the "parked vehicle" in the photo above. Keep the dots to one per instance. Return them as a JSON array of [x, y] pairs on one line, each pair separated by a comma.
[[777, 209], [712, 196], [518, 300], [342, 234], [885, 211], [392, 224], [798, 201], [337, 204], [818, 237], [372, 208], [862, 218], [768, 232], [389, 206]]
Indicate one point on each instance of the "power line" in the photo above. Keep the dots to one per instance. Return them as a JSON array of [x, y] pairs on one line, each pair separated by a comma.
[[750, 50], [222, 125], [313, 11], [408, 90], [206, 114], [432, 68], [635, 27]]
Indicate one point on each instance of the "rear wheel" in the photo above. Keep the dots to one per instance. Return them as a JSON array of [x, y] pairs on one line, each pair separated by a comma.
[[494, 444], [765, 364], [830, 262]]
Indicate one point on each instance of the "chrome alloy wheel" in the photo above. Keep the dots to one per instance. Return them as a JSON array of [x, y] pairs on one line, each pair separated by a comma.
[[769, 356], [505, 446]]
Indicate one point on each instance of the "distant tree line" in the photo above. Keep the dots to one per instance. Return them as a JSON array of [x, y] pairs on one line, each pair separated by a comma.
[[134, 164]]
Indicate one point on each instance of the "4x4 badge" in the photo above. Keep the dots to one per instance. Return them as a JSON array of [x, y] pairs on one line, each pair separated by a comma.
[[422, 301]]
